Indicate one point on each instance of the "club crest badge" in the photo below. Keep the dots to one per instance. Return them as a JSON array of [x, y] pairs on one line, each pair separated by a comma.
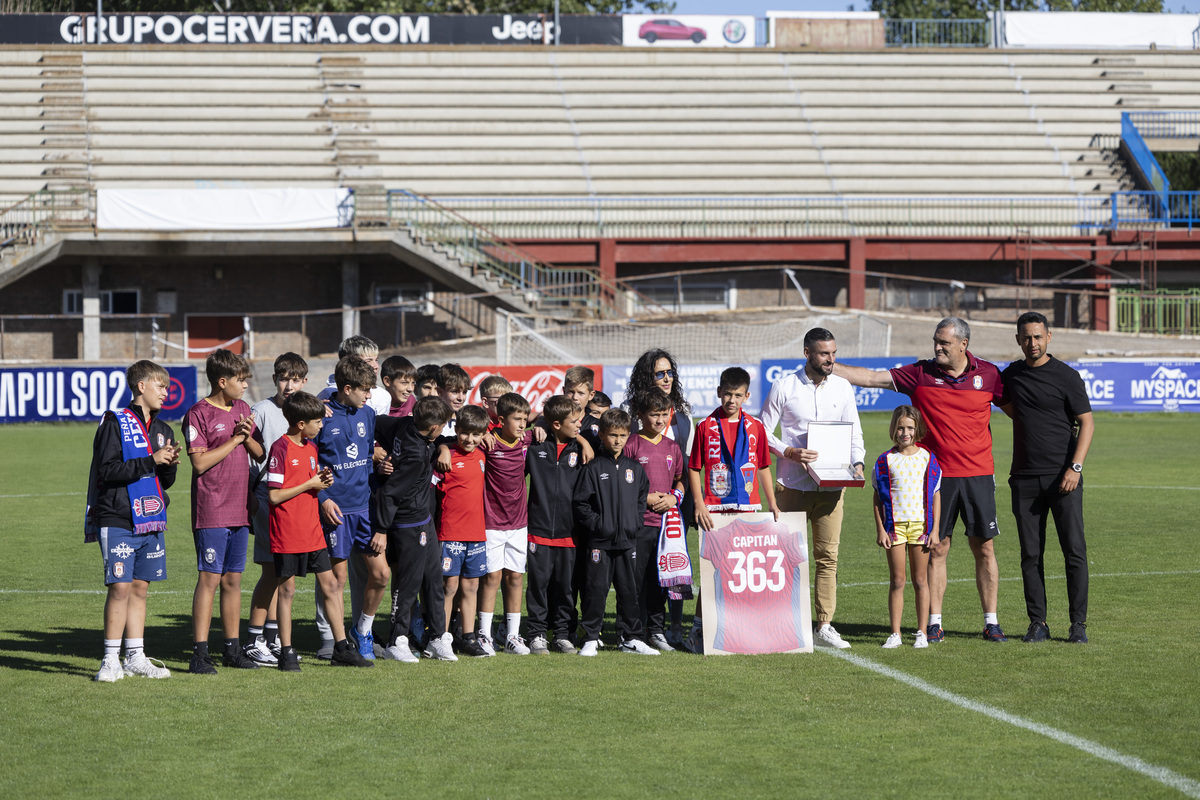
[[210, 555], [977, 382], [748, 477], [312, 462], [423, 539], [572, 459], [119, 569], [482, 468], [533, 547], [161, 441], [147, 506], [446, 562], [596, 556], [362, 430], [629, 476], [332, 540], [192, 433], [720, 480]]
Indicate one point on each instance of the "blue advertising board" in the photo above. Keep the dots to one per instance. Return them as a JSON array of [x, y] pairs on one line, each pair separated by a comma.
[[1140, 385], [867, 399], [80, 394], [699, 383]]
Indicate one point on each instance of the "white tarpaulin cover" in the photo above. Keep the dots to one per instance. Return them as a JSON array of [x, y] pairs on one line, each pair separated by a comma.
[[1098, 30], [222, 209]]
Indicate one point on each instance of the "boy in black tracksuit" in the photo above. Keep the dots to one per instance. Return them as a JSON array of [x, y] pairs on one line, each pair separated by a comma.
[[609, 501], [402, 510], [553, 466]]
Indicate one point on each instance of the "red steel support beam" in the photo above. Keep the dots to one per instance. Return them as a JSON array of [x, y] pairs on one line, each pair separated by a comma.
[[856, 261]]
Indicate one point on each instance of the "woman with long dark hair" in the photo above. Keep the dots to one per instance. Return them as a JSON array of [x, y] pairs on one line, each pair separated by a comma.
[[657, 372]]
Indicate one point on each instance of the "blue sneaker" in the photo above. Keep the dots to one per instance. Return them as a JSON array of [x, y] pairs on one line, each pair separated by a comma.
[[364, 644], [934, 633], [992, 633]]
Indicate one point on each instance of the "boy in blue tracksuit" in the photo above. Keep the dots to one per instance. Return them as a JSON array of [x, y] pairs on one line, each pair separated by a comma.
[[345, 445]]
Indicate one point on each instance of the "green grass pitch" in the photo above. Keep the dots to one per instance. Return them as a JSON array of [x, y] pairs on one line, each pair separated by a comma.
[[623, 725]]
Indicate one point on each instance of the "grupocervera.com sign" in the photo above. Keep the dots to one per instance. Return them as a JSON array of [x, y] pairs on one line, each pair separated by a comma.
[[348, 29]]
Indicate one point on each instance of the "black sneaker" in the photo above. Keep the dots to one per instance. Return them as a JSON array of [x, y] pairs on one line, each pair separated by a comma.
[[288, 660], [238, 660], [1038, 632], [349, 657], [1078, 634], [202, 665], [468, 645]]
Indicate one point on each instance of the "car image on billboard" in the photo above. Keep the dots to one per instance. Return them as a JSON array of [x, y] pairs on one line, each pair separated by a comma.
[[656, 29]]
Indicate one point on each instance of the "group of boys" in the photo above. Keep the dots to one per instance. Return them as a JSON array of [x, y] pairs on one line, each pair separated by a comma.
[[409, 491]]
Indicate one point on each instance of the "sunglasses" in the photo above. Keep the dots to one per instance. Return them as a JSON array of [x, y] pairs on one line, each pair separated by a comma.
[[664, 373]]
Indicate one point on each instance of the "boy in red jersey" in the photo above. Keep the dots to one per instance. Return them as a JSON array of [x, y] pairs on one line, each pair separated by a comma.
[[460, 526], [297, 540], [729, 466], [662, 461], [216, 429]]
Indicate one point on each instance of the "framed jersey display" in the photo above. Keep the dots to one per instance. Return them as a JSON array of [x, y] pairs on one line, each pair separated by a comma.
[[754, 584]]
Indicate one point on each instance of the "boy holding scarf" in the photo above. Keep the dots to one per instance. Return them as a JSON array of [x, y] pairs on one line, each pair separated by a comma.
[[730, 465], [134, 460]]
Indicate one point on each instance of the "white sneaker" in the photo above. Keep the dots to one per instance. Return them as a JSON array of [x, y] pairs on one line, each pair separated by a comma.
[[828, 637], [589, 648], [515, 645], [257, 650], [659, 642], [140, 665], [539, 646], [439, 648], [400, 652], [922, 640], [485, 641], [110, 670], [892, 642], [637, 646]]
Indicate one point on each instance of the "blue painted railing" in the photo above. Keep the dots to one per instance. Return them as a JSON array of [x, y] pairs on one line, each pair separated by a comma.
[[1166, 124], [1143, 209], [1145, 162]]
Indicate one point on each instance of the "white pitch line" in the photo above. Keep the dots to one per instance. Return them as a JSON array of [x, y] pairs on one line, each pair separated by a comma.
[[1048, 577], [1127, 486], [1167, 777], [152, 592]]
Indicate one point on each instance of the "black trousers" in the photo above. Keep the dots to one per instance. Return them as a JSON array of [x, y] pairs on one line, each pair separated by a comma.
[[549, 596], [652, 597], [605, 569], [1034, 499], [417, 568]]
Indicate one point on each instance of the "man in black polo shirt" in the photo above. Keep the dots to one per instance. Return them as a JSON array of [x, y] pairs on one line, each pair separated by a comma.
[[1052, 430]]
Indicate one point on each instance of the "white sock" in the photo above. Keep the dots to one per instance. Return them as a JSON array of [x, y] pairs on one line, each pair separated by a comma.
[[935, 619], [514, 623], [364, 624], [485, 622], [133, 647], [990, 619], [112, 647]]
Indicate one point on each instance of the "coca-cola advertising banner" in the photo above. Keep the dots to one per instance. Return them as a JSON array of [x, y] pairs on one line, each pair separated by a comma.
[[536, 383]]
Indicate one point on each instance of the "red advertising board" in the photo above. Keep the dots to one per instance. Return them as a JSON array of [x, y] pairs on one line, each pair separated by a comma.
[[536, 383]]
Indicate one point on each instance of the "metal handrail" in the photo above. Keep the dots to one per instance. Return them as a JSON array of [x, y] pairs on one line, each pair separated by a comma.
[[937, 32]]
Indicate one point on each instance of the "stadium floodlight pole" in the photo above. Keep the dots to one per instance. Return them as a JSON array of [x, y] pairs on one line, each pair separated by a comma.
[[99, 21], [556, 33]]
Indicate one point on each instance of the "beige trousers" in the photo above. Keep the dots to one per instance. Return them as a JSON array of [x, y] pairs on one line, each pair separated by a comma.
[[824, 510]]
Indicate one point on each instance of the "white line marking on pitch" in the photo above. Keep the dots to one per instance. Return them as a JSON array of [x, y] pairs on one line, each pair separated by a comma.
[[1048, 577], [1165, 776], [153, 593]]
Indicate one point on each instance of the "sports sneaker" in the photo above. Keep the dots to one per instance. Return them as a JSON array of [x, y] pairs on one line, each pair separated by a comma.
[[439, 648], [486, 642], [400, 652], [514, 645], [694, 643], [659, 642], [288, 660], [827, 636], [468, 645], [539, 646], [590, 648], [325, 651], [202, 664], [257, 650], [365, 644], [146, 667], [1038, 632], [110, 670], [563, 645], [1078, 633], [349, 657], [992, 633], [637, 646], [935, 633], [237, 659], [892, 642], [922, 640], [674, 634]]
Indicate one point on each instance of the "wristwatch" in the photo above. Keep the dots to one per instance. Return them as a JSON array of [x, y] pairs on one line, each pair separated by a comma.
[[1077, 467]]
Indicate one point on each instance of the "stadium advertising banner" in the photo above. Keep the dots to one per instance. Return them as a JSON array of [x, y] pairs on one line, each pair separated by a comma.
[[754, 585], [699, 382], [347, 29], [1127, 385], [81, 394], [537, 384], [688, 30], [867, 399]]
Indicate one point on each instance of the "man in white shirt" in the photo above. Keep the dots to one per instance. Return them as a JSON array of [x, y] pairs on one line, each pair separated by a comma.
[[813, 394]]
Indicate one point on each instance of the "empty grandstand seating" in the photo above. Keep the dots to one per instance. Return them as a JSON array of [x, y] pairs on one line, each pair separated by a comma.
[[531, 122]]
